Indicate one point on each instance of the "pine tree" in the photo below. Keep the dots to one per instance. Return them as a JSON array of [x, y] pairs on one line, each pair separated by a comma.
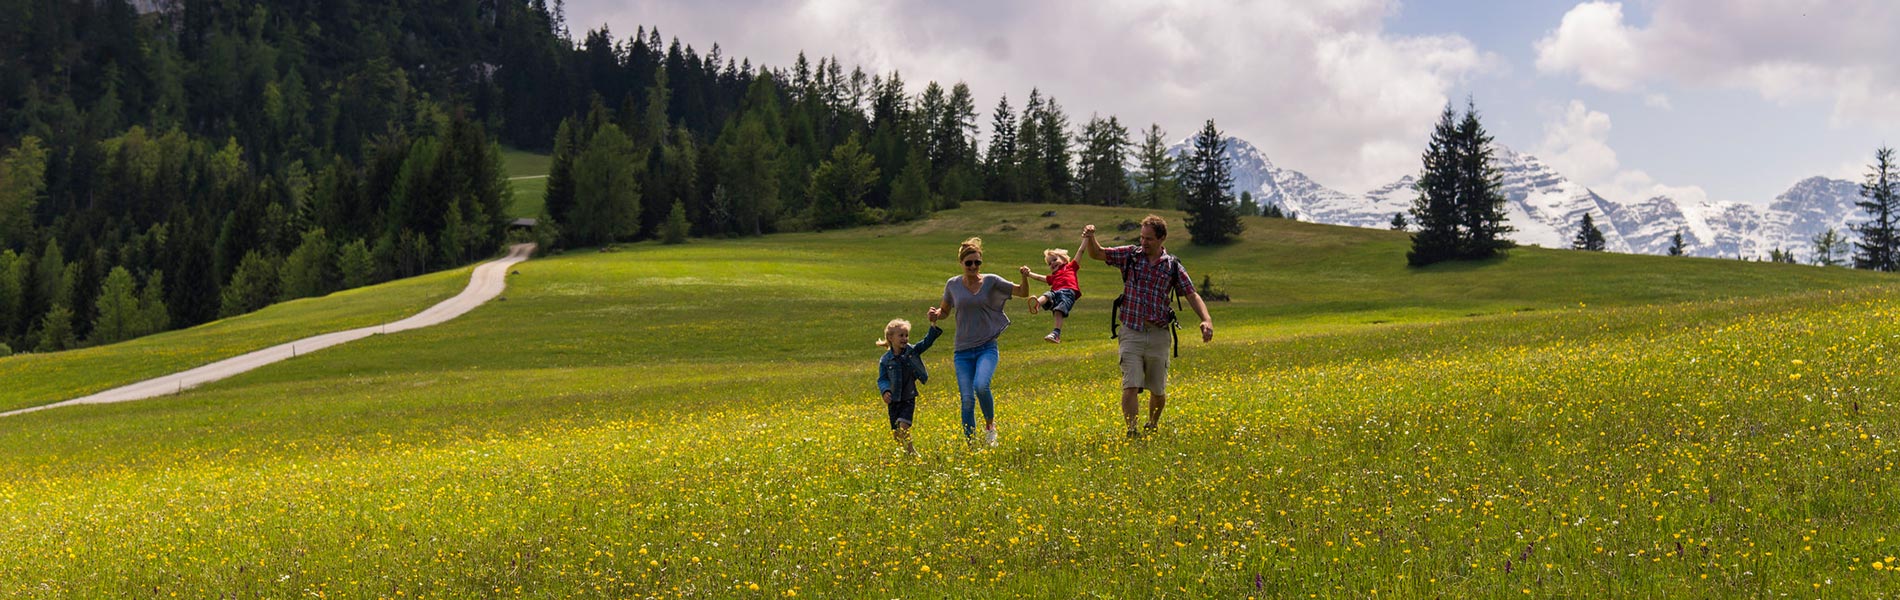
[[1830, 247], [1157, 183], [839, 184], [1032, 179], [1480, 191], [1588, 236], [1207, 180], [22, 181], [253, 285], [1676, 245], [606, 195], [1879, 245], [154, 316], [56, 330], [999, 160], [117, 317], [677, 227], [12, 292], [1103, 176], [1436, 207], [1398, 221], [355, 265], [310, 270], [1059, 175], [1247, 206], [559, 196], [910, 193]]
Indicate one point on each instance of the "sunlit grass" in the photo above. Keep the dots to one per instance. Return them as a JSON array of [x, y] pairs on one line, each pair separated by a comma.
[[35, 379]]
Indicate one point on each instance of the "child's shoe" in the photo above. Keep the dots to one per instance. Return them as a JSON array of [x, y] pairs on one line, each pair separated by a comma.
[[1054, 337]]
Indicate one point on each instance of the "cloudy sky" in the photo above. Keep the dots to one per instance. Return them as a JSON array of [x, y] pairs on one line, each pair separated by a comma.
[[1730, 100]]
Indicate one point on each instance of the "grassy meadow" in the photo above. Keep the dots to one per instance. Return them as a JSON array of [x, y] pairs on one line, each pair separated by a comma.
[[702, 421], [36, 379], [527, 181]]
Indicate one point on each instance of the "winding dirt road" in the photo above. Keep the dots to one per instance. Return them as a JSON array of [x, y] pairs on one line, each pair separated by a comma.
[[486, 283]]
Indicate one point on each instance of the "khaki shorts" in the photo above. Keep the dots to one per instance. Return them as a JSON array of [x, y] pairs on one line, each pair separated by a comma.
[[1144, 358]]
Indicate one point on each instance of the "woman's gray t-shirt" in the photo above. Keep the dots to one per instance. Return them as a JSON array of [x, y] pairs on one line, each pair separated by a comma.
[[980, 318]]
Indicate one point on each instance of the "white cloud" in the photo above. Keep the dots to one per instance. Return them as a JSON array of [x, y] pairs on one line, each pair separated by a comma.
[[1838, 51], [1577, 144], [1319, 86]]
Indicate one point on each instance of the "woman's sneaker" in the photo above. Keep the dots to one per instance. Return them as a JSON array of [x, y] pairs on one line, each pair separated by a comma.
[[989, 436]]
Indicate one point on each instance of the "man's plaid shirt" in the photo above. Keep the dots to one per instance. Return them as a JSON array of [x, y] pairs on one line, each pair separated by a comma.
[[1146, 285]]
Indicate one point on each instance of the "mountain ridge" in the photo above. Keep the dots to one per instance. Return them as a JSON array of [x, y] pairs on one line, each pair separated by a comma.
[[1545, 207]]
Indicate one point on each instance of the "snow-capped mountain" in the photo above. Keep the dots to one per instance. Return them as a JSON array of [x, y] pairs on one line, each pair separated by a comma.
[[1545, 207]]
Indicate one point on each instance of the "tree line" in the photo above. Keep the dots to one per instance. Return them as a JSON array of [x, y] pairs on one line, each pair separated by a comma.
[[229, 155]]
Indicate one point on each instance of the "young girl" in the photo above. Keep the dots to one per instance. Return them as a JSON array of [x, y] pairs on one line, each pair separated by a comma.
[[899, 372], [1064, 289]]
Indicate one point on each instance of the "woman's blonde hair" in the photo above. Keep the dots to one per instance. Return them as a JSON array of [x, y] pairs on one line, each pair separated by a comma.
[[1056, 252], [970, 246], [892, 327]]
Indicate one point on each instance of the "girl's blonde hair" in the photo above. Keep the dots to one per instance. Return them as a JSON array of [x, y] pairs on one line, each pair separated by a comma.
[[1056, 252], [970, 246], [892, 327]]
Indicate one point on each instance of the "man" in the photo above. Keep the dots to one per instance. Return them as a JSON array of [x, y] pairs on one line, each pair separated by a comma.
[[1149, 274]]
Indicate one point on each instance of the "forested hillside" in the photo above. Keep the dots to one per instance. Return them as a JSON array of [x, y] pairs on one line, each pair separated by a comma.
[[228, 155]]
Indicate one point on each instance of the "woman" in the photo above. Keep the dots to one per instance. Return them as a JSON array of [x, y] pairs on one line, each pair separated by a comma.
[[980, 298]]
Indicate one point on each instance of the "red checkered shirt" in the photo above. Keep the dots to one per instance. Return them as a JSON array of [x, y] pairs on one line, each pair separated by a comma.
[[1146, 285]]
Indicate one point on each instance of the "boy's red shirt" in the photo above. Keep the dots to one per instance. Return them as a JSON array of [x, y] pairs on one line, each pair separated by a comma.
[[1064, 277]]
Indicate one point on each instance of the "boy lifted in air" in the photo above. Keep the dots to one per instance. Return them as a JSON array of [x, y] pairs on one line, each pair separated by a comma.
[[1064, 289]]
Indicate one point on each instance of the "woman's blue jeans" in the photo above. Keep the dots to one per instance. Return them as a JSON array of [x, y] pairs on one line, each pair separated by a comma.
[[975, 367]]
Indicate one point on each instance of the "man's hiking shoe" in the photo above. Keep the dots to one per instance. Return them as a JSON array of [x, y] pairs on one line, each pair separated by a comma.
[[1054, 337]]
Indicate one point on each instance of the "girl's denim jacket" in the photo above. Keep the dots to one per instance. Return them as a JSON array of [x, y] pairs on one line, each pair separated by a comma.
[[900, 374]]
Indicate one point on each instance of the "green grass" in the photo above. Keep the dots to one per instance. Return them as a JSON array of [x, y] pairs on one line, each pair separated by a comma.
[[697, 420], [36, 379], [527, 172]]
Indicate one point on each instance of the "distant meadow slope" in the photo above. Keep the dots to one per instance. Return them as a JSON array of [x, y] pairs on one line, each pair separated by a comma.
[[701, 420]]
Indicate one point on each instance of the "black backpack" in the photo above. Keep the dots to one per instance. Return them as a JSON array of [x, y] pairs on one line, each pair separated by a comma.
[[1174, 323]]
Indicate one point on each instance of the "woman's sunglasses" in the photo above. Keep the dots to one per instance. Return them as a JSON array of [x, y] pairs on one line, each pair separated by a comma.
[[973, 263]]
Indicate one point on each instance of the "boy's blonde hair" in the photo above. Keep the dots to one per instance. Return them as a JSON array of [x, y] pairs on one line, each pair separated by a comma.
[[892, 327], [1056, 252]]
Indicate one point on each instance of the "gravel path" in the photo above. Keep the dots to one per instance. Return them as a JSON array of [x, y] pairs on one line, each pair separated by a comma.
[[484, 285]]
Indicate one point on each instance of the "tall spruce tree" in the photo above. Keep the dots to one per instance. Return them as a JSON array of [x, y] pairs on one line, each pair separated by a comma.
[[606, 195], [1059, 176], [1032, 180], [1879, 245], [999, 158], [1157, 180], [1676, 245], [1207, 180], [1435, 209], [1588, 236], [1480, 191], [1103, 174]]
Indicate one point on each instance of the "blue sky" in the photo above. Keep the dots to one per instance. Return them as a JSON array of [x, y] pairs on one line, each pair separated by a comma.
[[1731, 100]]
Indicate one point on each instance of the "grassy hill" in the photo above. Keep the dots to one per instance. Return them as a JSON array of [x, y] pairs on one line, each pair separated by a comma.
[[701, 420], [527, 179]]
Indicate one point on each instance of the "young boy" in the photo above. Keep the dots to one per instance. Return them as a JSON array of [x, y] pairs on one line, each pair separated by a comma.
[[899, 372], [1064, 289]]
